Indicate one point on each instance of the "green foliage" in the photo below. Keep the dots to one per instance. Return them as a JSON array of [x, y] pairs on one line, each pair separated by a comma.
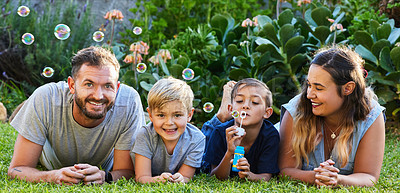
[[11, 95], [47, 50], [162, 20]]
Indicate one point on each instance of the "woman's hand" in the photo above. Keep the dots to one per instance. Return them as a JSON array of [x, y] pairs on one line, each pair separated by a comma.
[[223, 113], [326, 174]]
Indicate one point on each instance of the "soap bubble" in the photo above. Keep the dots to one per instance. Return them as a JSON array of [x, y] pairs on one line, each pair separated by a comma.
[[48, 72], [98, 36], [141, 67], [62, 31], [137, 30], [235, 114], [188, 74], [28, 38], [23, 11], [208, 107]]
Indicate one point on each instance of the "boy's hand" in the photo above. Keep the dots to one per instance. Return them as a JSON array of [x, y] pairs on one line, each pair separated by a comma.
[[166, 177], [223, 114], [244, 166], [177, 177], [232, 139]]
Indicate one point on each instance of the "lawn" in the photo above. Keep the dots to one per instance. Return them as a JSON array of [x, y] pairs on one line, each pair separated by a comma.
[[388, 182]]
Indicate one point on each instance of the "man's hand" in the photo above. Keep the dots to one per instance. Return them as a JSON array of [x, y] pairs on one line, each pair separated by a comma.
[[67, 175], [93, 175]]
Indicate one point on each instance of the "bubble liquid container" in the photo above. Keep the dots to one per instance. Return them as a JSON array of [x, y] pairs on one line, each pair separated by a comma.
[[239, 153]]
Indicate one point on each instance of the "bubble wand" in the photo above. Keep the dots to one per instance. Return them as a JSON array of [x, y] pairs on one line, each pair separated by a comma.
[[243, 114]]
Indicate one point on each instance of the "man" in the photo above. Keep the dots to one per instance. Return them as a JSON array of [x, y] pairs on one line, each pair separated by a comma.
[[81, 130]]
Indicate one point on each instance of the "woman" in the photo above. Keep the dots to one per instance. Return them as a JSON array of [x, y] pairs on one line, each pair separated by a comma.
[[333, 132]]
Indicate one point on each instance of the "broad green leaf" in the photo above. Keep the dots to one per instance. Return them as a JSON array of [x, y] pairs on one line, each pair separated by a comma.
[[395, 56], [176, 70], [263, 20], [373, 27], [269, 32], [293, 46], [304, 24], [238, 74], [220, 22], [321, 32], [129, 78], [320, 15], [268, 73], [393, 76], [285, 17], [364, 39], [234, 51], [394, 36], [308, 18], [163, 66], [146, 86], [286, 32], [383, 31], [366, 54], [213, 92], [277, 81], [264, 59], [297, 62], [270, 48], [378, 46], [336, 11], [386, 95], [384, 60]]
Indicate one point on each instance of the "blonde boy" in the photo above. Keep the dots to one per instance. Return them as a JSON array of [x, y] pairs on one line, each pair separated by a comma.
[[168, 148]]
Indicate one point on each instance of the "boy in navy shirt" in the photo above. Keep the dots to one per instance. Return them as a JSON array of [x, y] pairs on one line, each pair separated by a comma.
[[260, 141]]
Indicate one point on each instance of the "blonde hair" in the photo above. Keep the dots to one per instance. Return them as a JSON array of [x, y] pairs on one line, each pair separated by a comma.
[[344, 65], [170, 89]]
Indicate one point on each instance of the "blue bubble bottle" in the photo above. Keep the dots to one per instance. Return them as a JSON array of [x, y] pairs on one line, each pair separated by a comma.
[[239, 153]]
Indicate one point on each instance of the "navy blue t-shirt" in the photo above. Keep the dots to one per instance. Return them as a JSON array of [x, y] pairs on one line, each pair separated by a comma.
[[262, 156]]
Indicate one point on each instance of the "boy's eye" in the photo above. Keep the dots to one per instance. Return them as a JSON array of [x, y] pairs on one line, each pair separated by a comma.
[[239, 101], [256, 103], [178, 115]]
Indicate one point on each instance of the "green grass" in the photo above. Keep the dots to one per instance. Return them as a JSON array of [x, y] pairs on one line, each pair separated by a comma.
[[389, 180]]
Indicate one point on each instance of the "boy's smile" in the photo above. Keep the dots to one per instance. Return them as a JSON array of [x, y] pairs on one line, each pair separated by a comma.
[[170, 120]]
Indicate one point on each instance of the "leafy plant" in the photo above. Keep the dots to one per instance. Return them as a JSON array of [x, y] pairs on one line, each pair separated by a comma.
[[11, 95], [381, 51]]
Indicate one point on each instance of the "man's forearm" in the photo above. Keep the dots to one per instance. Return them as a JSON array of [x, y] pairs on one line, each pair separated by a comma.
[[29, 174]]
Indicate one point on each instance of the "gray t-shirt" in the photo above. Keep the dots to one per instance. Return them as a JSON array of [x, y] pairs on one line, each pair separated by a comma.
[[46, 117], [189, 149]]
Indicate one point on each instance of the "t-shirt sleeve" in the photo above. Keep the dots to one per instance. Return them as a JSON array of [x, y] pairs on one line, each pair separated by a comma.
[[134, 119], [195, 155], [143, 146], [209, 127], [31, 121], [216, 148], [269, 156]]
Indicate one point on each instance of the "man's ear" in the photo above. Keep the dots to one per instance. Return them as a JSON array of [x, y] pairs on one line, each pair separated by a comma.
[[71, 84], [348, 88], [268, 112], [190, 115]]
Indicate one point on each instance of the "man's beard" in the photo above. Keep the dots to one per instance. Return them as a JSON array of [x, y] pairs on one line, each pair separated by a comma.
[[97, 115]]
